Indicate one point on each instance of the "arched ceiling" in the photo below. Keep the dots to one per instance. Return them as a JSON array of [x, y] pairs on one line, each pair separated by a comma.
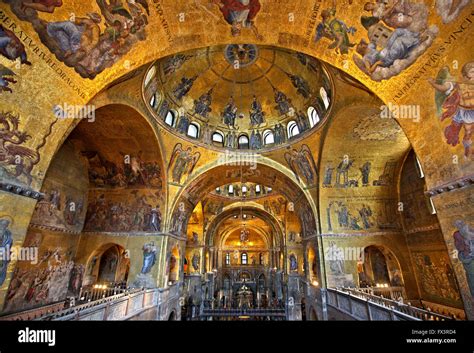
[[264, 175], [188, 197], [225, 228], [152, 30]]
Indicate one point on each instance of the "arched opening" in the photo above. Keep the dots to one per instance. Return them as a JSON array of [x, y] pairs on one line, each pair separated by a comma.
[[325, 97], [108, 264], [170, 118], [218, 138], [268, 137], [379, 269], [375, 271], [96, 184], [313, 266], [292, 129], [173, 266], [314, 118], [244, 142], [193, 130]]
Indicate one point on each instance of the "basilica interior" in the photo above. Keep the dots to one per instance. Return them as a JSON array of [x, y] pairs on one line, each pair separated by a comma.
[[236, 160]]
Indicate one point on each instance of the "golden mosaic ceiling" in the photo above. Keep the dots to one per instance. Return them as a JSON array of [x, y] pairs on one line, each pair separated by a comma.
[[204, 82]]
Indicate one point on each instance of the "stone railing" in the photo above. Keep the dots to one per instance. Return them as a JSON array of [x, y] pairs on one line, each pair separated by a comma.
[[36, 313], [118, 307], [121, 306], [170, 293], [363, 306], [278, 313], [391, 296], [458, 314], [394, 293]]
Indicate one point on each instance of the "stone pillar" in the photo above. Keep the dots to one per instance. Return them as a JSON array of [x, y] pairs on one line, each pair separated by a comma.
[[16, 208], [195, 289], [279, 284], [212, 254], [293, 301], [455, 212]]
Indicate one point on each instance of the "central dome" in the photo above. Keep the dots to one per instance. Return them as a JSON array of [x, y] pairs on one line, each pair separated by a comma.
[[239, 95]]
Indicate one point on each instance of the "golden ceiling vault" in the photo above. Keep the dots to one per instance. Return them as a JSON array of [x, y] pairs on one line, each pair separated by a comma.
[[135, 136]]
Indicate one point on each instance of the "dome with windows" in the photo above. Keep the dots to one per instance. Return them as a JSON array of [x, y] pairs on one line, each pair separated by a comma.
[[239, 96]]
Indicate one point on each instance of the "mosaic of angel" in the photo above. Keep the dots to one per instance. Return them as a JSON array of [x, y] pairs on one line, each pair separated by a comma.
[[182, 162]]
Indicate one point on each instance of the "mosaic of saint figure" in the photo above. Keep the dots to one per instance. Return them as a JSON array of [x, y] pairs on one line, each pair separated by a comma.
[[240, 14], [183, 88], [183, 124], [293, 263], [202, 106], [6, 242], [195, 261], [365, 171], [149, 257], [280, 136], [283, 102], [302, 121], [154, 219], [301, 85], [336, 259], [230, 113], [174, 63], [257, 115], [328, 173], [464, 242], [256, 140], [455, 102], [231, 140]]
